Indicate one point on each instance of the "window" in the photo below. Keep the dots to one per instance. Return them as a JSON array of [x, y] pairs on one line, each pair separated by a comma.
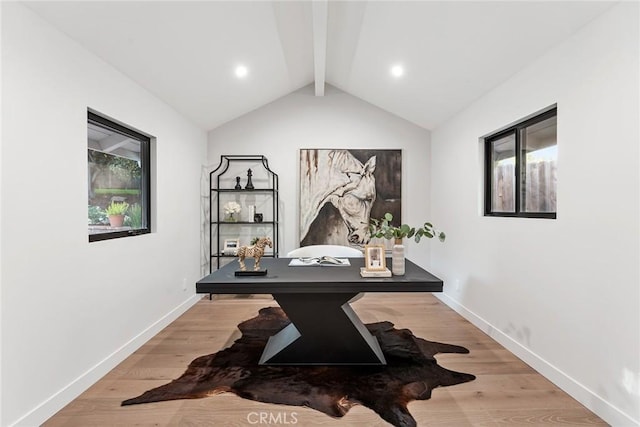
[[521, 168], [119, 180]]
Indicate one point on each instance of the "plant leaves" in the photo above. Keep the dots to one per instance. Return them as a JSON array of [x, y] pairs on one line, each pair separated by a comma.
[[382, 228]]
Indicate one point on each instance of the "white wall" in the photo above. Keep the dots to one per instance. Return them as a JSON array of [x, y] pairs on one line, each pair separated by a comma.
[[1, 209], [562, 294], [72, 309], [337, 120]]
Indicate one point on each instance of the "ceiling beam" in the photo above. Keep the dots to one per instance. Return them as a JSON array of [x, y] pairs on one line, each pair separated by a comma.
[[107, 148], [320, 14]]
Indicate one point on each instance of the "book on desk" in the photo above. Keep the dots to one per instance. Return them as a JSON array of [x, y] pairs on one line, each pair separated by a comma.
[[325, 260]]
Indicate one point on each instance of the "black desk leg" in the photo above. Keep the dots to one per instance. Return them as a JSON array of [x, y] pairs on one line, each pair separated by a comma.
[[324, 330]]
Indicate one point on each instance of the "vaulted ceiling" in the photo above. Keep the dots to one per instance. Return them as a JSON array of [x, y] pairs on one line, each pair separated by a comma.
[[186, 53]]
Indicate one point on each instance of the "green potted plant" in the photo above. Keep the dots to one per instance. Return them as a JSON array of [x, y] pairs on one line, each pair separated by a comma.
[[383, 229], [115, 211]]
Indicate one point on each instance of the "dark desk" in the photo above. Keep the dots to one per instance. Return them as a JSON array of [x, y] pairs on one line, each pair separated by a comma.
[[324, 329]]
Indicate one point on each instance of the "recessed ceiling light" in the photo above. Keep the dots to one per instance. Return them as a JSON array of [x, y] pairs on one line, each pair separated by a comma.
[[241, 71], [397, 71]]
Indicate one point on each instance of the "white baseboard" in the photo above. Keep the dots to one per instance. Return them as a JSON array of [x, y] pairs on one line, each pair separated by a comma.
[[586, 397], [59, 400]]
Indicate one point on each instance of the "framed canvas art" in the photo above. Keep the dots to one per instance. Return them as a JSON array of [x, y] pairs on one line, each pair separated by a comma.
[[340, 190]]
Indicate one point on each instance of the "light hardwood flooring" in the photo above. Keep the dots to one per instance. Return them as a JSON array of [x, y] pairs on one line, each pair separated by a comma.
[[506, 391]]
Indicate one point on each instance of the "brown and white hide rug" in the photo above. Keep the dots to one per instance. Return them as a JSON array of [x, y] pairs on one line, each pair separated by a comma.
[[411, 373]]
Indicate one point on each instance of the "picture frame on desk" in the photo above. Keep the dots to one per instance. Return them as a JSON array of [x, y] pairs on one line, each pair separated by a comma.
[[231, 246], [374, 258]]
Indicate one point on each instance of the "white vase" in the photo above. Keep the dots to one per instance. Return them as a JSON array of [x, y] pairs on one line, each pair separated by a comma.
[[397, 259]]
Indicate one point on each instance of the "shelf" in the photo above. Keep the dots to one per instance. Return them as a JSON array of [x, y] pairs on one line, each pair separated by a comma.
[[266, 196], [255, 190], [243, 223]]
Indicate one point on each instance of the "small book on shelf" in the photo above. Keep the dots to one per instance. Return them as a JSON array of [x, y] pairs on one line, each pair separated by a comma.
[[375, 273]]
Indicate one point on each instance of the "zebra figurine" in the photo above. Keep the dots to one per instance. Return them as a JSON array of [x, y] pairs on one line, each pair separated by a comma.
[[256, 251]]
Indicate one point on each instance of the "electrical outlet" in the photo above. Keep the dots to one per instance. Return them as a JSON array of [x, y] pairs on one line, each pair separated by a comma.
[[457, 284], [184, 283]]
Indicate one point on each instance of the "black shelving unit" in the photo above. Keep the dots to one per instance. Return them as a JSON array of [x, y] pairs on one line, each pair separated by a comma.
[[221, 178]]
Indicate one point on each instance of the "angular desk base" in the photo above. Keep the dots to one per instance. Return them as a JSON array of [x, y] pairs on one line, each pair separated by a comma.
[[324, 330]]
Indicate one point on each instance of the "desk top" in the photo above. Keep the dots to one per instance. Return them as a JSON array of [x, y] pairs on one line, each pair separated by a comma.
[[315, 279]]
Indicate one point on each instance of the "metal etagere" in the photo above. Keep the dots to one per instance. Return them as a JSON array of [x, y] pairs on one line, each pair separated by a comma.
[[224, 187]]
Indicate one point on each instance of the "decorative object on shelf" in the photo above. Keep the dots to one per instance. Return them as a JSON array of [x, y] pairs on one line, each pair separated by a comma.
[[252, 213], [231, 209], [257, 217], [238, 186], [256, 251], [115, 211], [231, 246], [382, 228], [339, 189], [249, 185]]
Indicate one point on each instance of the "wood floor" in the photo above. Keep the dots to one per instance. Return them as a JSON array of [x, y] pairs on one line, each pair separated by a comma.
[[505, 392]]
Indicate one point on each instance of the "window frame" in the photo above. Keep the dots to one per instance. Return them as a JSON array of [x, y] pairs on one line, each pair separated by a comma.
[[520, 160], [145, 179]]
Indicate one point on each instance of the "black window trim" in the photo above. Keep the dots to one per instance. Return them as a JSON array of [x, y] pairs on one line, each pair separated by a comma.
[[488, 167], [145, 160]]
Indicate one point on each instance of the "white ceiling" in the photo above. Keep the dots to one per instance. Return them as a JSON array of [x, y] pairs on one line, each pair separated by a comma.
[[185, 52]]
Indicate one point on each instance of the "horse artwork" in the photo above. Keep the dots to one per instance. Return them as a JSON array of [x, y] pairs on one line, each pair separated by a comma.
[[256, 251], [340, 190]]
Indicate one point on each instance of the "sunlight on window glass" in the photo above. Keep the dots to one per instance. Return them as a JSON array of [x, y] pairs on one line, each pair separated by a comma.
[[548, 154], [507, 161]]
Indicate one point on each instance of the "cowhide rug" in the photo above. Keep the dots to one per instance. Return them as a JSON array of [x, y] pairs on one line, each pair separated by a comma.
[[410, 374]]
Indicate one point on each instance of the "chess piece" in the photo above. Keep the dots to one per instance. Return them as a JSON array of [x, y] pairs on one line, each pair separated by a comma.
[[249, 185], [238, 186]]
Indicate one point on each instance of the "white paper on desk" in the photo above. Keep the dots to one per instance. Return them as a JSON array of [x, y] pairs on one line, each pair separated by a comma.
[[318, 261]]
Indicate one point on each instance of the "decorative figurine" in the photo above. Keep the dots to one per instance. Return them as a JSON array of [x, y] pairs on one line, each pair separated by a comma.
[[256, 251], [249, 185], [238, 186], [257, 217]]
